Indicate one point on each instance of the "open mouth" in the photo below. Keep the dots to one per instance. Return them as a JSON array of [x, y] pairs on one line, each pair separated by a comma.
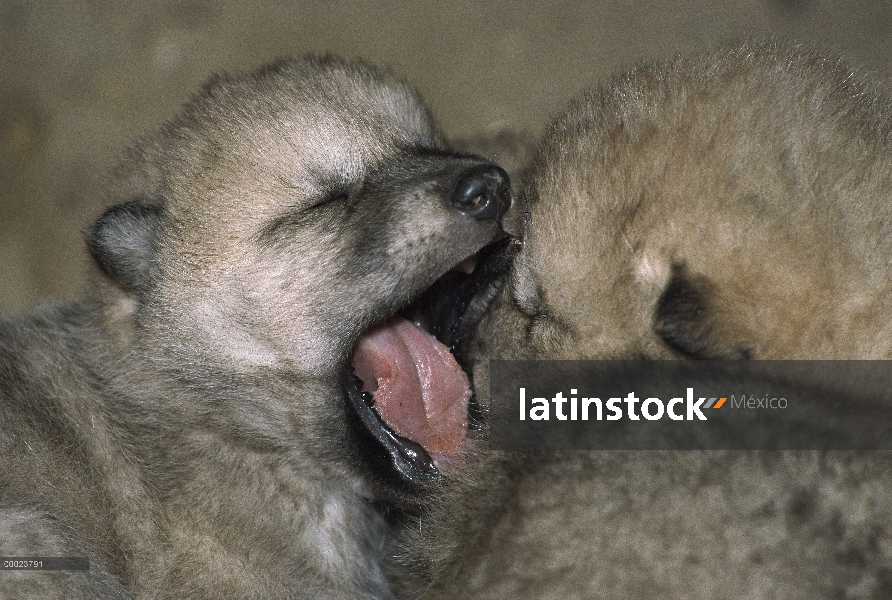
[[408, 385]]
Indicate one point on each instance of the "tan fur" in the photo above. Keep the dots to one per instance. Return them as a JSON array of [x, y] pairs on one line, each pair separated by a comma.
[[186, 426], [756, 182], [763, 173]]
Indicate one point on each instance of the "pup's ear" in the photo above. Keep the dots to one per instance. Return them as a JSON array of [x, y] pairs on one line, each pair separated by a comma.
[[122, 242], [690, 318]]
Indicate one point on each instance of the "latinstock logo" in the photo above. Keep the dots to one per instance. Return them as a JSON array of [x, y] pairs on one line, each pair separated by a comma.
[[616, 408], [689, 405]]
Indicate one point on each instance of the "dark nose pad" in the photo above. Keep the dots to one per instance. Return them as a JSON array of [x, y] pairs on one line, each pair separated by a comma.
[[483, 192]]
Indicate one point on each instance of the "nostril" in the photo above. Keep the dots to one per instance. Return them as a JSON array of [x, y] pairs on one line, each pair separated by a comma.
[[483, 192], [471, 191]]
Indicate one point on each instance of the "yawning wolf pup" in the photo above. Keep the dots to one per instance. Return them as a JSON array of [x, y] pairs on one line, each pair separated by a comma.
[[193, 426], [731, 205]]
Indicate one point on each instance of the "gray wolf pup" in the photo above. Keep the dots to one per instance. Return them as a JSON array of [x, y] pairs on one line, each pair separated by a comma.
[[192, 426], [730, 205]]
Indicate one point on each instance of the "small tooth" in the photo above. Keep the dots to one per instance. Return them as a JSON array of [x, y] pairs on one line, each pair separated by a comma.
[[467, 265]]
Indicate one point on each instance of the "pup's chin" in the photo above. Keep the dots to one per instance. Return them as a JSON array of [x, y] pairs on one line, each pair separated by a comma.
[[408, 386]]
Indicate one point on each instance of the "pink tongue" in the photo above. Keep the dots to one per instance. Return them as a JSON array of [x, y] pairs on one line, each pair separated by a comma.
[[420, 391]]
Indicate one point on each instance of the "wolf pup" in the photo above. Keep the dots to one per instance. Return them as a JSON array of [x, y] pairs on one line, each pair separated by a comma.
[[730, 205], [194, 427]]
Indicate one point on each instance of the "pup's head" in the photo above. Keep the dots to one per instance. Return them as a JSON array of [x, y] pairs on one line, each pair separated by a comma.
[[731, 205], [278, 218]]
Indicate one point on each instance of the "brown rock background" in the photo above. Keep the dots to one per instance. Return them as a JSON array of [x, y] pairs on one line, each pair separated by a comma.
[[79, 79]]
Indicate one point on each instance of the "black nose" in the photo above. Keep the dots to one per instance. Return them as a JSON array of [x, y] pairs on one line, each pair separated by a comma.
[[483, 192]]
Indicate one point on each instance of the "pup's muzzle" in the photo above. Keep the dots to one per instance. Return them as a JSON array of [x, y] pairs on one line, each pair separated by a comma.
[[483, 192]]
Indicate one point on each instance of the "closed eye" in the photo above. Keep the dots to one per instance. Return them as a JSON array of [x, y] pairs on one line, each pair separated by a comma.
[[323, 212], [338, 195]]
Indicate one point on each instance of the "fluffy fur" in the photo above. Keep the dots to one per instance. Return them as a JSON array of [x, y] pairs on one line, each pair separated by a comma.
[[730, 205], [185, 425]]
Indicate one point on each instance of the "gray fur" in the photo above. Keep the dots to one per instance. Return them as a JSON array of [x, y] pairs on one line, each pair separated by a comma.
[[734, 204], [184, 426]]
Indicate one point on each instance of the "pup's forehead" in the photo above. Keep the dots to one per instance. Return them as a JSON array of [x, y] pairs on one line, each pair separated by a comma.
[[321, 141], [353, 103], [250, 149], [296, 125], [323, 138], [321, 103]]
